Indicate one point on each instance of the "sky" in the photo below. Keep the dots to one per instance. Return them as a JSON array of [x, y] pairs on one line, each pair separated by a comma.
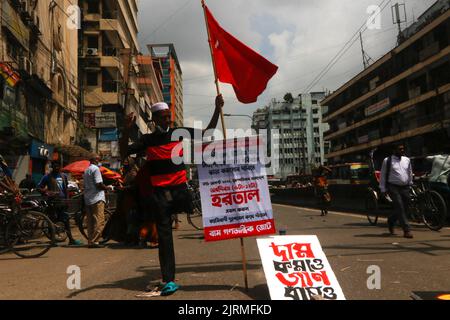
[[300, 36]]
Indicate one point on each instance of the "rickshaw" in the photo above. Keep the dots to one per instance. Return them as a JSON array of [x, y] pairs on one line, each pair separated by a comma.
[[426, 206]]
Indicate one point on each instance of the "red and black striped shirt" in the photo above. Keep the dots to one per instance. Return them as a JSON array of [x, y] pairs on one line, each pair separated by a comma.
[[160, 150]]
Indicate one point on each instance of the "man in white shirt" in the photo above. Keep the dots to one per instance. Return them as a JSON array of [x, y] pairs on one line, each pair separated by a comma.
[[95, 200], [396, 180]]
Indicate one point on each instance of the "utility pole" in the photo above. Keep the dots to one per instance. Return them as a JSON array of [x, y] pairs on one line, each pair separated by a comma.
[[128, 73], [366, 58]]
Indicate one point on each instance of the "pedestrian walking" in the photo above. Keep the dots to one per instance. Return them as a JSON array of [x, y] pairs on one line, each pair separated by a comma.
[[396, 181], [95, 200], [169, 181], [321, 189]]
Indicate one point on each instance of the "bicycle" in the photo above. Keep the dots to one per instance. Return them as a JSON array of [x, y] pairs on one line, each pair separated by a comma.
[[82, 219], [28, 234], [50, 205], [426, 206], [195, 218]]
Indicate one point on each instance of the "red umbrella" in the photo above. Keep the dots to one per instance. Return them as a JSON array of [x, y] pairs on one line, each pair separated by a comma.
[[78, 168], [111, 175]]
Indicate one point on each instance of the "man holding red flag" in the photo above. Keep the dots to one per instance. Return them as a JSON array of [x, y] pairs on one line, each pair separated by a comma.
[[168, 180], [237, 64]]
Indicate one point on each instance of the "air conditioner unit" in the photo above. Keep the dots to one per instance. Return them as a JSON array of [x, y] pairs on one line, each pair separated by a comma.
[[26, 65], [92, 52]]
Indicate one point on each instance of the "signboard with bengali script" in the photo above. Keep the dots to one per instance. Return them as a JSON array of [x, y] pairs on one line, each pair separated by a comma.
[[235, 200], [296, 268]]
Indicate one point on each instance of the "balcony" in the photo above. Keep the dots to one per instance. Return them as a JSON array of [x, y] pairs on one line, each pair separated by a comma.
[[111, 62], [96, 96], [109, 24], [92, 17]]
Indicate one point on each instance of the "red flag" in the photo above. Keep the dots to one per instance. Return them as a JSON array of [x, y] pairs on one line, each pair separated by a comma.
[[236, 64]]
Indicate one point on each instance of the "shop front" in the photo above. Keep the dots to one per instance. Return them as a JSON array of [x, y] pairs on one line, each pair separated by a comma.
[[40, 155]]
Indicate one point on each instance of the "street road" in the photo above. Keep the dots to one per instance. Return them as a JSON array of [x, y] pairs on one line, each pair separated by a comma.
[[214, 270]]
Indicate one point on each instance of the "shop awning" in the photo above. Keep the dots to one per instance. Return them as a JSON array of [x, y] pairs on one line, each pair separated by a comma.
[[75, 153]]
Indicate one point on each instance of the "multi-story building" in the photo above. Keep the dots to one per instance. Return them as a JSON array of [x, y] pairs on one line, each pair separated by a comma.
[[172, 78], [38, 83], [404, 96], [109, 71], [301, 144], [150, 84]]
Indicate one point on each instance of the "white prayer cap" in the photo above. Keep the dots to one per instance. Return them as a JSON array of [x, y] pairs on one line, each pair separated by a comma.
[[160, 106]]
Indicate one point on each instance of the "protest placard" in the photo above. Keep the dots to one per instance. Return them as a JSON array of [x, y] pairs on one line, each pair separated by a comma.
[[296, 268], [235, 200]]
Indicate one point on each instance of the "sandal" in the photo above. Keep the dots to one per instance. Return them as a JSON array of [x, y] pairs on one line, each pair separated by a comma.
[[169, 289]]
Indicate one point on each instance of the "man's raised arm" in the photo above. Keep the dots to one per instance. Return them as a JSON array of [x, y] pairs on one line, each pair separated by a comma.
[[215, 118]]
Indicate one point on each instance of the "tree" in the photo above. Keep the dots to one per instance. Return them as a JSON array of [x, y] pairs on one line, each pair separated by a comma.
[[288, 97]]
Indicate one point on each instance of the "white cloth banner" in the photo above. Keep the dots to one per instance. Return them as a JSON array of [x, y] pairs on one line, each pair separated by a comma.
[[235, 201]]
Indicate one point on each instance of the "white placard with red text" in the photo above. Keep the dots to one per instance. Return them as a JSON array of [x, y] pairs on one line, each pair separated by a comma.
[[235, 201], [296, 268]]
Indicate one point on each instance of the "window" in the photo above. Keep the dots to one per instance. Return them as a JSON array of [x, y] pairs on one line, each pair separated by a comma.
[[92, 79], [92, 42], [60, 85], [93, 6], [12, 49]]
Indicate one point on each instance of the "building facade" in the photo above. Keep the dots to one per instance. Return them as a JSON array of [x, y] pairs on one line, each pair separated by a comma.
[[299, 122], [404, 96], [172, 79], [38, 83], [150, 85], [109, 70]]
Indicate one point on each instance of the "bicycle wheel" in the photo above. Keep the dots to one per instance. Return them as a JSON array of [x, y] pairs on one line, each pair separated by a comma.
[[195, 219], [82, 222], [60, 232], [106, 234], [372, 209], [26, 235], [433, 210]]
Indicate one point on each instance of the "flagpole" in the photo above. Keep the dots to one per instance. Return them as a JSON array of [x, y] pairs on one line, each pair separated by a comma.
[[222, 118], [244, 258]]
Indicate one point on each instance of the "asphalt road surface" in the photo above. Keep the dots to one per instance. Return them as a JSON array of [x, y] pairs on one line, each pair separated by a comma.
[[214, 270]]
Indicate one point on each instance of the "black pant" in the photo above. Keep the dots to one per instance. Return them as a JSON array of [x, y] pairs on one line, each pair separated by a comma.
[[63, 216], [165, 206], [401, 198]]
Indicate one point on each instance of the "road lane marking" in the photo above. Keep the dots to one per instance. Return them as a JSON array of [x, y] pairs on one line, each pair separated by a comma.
[[331, 212]]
